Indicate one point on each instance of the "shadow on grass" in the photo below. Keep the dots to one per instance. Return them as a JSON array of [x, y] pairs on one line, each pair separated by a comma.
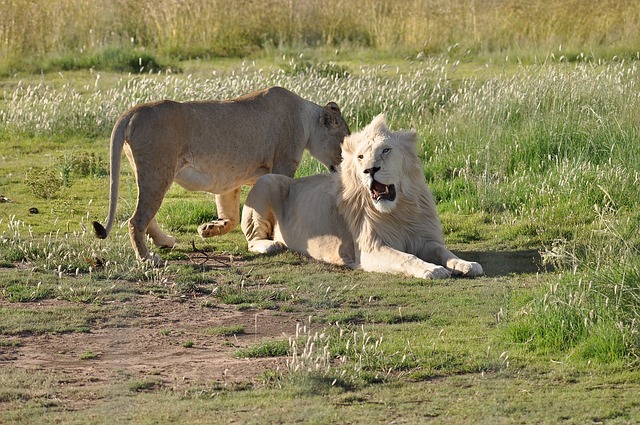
[[504, 263]]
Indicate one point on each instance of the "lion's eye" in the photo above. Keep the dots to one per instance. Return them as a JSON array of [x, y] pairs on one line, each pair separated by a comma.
[[386, 150], [360, 156]]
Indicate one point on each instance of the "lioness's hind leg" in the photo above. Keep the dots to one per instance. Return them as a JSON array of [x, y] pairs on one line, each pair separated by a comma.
[[228, 206]]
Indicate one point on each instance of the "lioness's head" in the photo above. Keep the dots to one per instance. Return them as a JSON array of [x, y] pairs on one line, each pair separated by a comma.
[[381, 165], [326, 145]]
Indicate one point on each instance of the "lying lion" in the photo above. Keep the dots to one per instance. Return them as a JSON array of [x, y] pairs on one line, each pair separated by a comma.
[[215, 147], [376, 214]]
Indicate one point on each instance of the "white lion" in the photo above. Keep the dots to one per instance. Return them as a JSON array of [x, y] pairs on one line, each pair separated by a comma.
[[376, 214], [215, 147]]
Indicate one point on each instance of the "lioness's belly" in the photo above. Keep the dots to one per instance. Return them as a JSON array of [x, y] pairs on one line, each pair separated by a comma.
[[219, 179]]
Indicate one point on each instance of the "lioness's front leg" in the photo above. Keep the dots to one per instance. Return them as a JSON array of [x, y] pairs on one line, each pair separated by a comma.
[[388, 260], [228, 206]]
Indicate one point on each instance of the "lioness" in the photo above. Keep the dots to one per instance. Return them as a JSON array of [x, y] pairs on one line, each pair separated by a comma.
[[215, 147], [376, 214]]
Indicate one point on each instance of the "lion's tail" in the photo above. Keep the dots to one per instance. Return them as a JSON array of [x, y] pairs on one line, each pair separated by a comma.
[[117, 143]]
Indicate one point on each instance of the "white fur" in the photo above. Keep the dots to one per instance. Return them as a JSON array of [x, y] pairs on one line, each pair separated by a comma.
[[333, 218]]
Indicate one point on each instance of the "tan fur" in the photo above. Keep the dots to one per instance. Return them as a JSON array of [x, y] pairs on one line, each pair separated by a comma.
[[334, 218], [215, 147]]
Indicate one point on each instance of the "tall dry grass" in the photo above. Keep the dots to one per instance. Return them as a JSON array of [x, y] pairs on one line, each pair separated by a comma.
[[181, 28]]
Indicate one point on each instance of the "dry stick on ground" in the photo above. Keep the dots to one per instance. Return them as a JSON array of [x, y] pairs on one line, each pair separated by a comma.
[[207, 257]]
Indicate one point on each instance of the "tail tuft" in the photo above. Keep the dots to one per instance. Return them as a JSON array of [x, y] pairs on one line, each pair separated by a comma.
[[100, 230]]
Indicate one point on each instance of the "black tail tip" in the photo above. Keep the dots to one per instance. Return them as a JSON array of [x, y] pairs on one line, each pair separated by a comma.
[[100, 231]]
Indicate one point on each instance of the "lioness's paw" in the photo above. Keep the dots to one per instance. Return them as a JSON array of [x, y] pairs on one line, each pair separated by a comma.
[[437, 272], [153, 259], [264, 246], [165, 241], [215, 228]]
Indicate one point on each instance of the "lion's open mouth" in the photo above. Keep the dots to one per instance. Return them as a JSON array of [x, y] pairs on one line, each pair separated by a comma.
[[380, 192]]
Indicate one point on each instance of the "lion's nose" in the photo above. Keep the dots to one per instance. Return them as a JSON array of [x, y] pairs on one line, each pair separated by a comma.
[[372, 170]]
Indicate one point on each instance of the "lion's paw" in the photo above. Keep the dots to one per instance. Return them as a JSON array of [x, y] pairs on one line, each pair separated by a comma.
[[467, 268], [437, 272], [265, 246], [215, 228]]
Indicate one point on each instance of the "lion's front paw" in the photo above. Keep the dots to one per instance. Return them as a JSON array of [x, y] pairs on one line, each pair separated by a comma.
[[467, 268], [215, 228], [437, 272]]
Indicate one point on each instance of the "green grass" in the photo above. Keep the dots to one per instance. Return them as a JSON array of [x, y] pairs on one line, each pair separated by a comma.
[[521, 157], [89, 355], [265, 349], [225, 330], [79, 34]]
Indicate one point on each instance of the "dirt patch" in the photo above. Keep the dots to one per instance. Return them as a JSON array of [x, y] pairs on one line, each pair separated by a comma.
[[152, 346]]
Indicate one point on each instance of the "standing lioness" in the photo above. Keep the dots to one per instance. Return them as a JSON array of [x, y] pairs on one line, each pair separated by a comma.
[[215, 147]]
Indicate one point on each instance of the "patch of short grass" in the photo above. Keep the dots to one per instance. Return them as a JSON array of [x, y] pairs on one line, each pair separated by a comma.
[[275, 348], [15, 321], [226, 331], [89, 355]]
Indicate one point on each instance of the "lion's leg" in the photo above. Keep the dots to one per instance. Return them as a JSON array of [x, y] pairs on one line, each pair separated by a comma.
[[438, 253], [389, 260], [258, 218], [228, 206]]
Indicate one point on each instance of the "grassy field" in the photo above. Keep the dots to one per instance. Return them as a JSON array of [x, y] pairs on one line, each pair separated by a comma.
[[530, 145], [122, 35]]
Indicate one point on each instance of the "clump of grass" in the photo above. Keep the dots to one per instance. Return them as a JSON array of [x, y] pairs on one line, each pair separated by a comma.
[[79, 294], [88, 355], [81, 164], [144, 385], [24, 292], [225, 330], [276, 348], [345, 355], [188, 344], [44, 182]]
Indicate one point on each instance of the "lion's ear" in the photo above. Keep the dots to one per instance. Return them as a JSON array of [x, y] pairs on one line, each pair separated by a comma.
[[410, 137], [378, 124]]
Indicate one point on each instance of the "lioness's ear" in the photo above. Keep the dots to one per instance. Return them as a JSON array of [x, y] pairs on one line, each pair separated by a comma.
[[330, 114], [334, 107]]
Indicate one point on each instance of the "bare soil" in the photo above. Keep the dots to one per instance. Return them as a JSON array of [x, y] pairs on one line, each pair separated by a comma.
[[151, 347]]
